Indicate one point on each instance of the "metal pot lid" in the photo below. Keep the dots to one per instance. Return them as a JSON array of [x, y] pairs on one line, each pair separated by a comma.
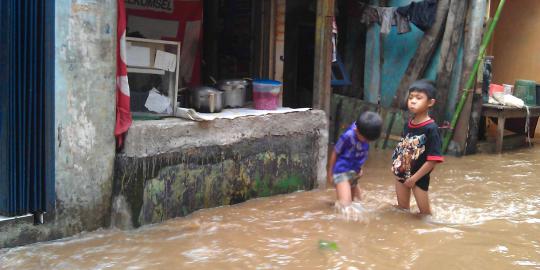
[[233, 82], [204, 90]]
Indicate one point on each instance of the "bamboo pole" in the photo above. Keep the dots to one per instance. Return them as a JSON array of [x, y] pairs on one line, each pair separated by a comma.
[[470, 82]]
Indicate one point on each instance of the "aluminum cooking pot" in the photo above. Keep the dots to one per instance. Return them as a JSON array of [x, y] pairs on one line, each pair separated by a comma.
[[234, 92], [206, 99]]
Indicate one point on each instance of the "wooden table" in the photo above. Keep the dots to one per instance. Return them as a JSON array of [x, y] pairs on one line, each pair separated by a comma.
[[503, 112]]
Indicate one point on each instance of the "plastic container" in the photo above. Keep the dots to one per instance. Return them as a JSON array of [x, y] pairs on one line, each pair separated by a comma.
[[526, 90], [266, 94], [495, 88], [508, 89]]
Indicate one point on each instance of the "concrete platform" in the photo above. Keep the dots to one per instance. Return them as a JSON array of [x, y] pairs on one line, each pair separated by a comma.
[[172, 167]]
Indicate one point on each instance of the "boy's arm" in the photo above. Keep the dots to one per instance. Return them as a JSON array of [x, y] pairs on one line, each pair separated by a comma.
[[425, 169], [330, 169]]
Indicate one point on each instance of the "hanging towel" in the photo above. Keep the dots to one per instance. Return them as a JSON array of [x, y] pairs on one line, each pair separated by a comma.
[[369, 15], [421, 14], [388, 17], [123, 111], [402, 23], [334, 39]]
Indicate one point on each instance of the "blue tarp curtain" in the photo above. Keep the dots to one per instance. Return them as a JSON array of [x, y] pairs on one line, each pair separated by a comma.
[[26, 105]]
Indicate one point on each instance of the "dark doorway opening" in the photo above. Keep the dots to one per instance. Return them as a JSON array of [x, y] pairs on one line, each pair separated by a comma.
[[299, 53]]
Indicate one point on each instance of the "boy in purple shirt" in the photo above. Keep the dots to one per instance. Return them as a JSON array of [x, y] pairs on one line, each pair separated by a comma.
[[350, 153]]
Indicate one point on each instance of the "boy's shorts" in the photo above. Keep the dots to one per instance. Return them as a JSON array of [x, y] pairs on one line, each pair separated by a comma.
[[350, 176], [423, 183]]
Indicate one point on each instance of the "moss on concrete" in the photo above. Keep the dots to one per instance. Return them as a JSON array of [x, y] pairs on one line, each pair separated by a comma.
[[176, 184]]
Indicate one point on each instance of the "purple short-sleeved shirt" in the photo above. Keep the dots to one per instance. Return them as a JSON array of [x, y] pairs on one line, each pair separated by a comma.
[[350, 151]]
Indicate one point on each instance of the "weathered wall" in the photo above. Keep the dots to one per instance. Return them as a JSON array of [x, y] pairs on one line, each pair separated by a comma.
[[183, 166], [84, 122], [85, 110], [516, 42]]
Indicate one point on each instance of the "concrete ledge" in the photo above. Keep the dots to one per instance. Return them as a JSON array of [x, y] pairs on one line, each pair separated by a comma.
[[173, 167], [150, 138], [147, 138]]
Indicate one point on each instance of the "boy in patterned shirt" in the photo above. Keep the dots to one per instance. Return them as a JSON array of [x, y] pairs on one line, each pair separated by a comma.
[[419, 150]]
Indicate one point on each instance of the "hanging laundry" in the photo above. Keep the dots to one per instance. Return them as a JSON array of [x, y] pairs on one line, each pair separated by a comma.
[[334, 39], [402, 23], [388, 17], [369, 15], [421, 14]]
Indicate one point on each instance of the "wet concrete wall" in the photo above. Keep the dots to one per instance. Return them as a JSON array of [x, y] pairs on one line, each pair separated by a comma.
[[173, 167], [84, 122]]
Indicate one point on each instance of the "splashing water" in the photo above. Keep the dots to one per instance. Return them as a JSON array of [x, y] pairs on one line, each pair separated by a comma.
[[121, 216], [353, 212]]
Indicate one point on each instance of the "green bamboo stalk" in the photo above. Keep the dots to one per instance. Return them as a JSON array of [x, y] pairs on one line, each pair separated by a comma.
[[470, 83]]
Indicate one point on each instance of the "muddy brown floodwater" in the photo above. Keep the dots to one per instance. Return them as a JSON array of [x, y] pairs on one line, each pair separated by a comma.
[[486, 216]]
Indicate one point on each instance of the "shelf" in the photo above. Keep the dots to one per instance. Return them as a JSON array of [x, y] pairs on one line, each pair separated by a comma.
[[146, 70], [171, 79], [155, 41], [148, 116]]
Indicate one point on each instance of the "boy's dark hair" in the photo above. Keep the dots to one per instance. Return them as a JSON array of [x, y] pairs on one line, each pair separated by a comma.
[[369, 125], [424, 86]]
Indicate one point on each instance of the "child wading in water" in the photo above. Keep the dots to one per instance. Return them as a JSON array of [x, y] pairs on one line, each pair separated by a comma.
[[350, 153], [419, 150]]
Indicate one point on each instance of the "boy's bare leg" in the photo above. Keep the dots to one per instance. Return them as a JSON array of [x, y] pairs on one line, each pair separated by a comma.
[[343, 190], [403, 194], [356, 192], [422, 200]]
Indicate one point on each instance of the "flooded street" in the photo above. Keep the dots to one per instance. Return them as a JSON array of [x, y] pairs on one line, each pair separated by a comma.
[[486, 216]]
